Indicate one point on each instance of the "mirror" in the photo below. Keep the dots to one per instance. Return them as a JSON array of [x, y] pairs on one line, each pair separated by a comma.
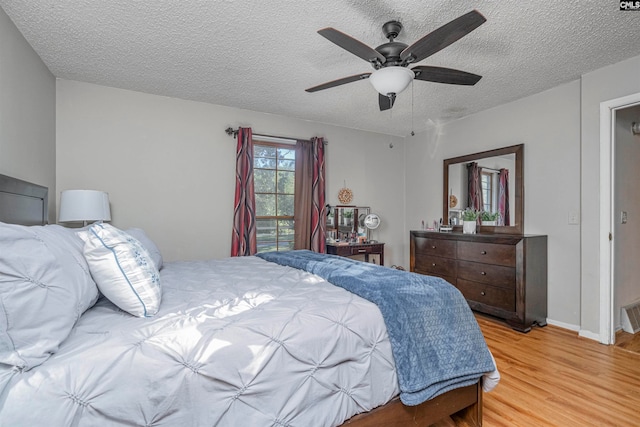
[[346, 223], [492, 164]]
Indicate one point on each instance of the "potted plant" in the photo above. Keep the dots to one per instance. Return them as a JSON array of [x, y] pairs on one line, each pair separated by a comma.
[[348, 215], [469, 219], [489, 218]]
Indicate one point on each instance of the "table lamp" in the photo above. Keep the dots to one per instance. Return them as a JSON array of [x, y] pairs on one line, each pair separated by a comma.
[[84, 205]]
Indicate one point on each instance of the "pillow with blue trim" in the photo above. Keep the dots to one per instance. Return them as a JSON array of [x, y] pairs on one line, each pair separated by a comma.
[[141, 236], [123, 269]]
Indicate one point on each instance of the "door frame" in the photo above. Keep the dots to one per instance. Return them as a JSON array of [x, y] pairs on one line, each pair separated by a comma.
[[607, 216]]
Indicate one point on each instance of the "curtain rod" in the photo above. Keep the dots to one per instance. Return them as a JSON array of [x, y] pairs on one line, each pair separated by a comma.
[[489, 169], [234, 132]]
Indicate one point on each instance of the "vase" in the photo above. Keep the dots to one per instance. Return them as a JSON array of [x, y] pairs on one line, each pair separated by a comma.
[[492, 223], [469, 227]]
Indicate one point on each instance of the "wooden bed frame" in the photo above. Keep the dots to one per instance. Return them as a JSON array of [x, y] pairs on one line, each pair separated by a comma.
[[463, 405], [25, 203]]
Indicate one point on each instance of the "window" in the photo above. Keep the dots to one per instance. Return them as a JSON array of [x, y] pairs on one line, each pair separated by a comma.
[[488, 193], [274, 185]]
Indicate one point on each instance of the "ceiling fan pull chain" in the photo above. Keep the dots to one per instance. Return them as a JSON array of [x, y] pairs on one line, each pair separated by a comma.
[[412, 132]]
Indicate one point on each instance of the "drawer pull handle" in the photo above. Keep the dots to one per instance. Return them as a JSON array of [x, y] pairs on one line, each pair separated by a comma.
[[482, 293], [361, 251], [433, 247], [483, 273], [433, 264], [483, 252]]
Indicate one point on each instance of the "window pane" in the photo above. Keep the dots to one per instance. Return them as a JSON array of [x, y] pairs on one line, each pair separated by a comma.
[[264, 151], [285, 205], [285, 246], [264, 181], [285, 229], [262, 163], [266, 235], [265, 204], [286, 182], [286, 154], [266, 229], [289, 165]]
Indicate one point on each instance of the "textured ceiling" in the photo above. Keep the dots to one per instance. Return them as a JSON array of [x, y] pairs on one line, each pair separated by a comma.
[[261, 55]]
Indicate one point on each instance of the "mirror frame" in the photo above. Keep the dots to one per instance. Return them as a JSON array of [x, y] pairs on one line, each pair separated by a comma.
[[518, 201]]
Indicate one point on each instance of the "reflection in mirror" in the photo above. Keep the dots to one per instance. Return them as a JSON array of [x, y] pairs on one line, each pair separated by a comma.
[[346, 223], [489, 181], [494, 178]]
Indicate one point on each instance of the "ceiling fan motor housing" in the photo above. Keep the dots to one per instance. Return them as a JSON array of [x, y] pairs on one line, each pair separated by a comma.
[[391, 29], [391, 51]]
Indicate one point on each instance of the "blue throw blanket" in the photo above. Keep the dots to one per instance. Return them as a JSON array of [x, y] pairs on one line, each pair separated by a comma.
[[436, 342]]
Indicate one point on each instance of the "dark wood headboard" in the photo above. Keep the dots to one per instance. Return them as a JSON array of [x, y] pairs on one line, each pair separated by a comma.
[[22, 202]]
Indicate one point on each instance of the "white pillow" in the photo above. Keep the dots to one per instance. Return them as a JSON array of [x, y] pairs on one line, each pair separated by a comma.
[[123, 269], [45, 286], [141, 236]]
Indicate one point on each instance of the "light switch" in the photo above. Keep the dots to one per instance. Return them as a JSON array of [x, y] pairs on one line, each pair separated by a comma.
[[623, 217], [574, 218]]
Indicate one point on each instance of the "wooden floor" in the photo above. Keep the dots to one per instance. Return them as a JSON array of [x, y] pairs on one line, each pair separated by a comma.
[[630, 342], [552, 377]]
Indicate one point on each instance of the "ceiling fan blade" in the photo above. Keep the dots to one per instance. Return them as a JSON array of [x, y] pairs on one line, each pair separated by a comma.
[[339, 82], [445, 75], [386, 102], [352, 45], [442, 37]]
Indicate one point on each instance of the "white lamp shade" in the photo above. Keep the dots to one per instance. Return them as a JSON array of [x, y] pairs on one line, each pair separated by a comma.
[[391, 79], [84, 205]]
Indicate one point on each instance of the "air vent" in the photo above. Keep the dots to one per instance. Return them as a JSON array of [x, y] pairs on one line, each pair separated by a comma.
[[630, 318]]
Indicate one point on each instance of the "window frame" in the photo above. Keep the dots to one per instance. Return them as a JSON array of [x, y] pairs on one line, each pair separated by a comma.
[[489, 192], [277, 218]]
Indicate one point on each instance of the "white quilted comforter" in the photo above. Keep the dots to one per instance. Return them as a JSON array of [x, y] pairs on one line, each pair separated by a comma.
[[237, 342]]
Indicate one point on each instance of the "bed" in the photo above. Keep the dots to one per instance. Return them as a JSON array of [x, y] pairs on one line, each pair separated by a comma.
[[237, 341]]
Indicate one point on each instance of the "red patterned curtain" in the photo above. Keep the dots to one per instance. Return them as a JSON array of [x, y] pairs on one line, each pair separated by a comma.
[[243, 240], [474, 194], [503, 198], [310, 223]]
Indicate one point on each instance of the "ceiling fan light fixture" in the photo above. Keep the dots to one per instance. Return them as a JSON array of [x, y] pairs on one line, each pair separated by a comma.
[[392, 79]]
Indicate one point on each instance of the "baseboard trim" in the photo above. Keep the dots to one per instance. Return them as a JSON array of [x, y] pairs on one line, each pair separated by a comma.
[[563, 325]]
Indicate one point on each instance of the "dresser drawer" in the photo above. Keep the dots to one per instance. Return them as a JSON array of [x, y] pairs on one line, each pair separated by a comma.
[[495, 275], [437, 266], [441, 248], [360, 250], [493, 296], [490, 253]]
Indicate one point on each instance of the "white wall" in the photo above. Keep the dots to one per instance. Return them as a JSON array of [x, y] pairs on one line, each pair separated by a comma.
[[604, 84], [626, 198], [169, 167], [27, 112], [548, 124]]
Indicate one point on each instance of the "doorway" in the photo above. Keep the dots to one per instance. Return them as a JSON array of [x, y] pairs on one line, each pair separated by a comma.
[[619, 174]]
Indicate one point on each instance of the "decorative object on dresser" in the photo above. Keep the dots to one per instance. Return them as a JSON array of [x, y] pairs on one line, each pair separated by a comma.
[[469, 221], [499, 274], [84, 206]]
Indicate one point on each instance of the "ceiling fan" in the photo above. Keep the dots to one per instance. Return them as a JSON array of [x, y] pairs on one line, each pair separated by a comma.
[[391, 60]]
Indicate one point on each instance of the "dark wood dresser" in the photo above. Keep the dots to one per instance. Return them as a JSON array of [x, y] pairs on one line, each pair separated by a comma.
[[499, 274]]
